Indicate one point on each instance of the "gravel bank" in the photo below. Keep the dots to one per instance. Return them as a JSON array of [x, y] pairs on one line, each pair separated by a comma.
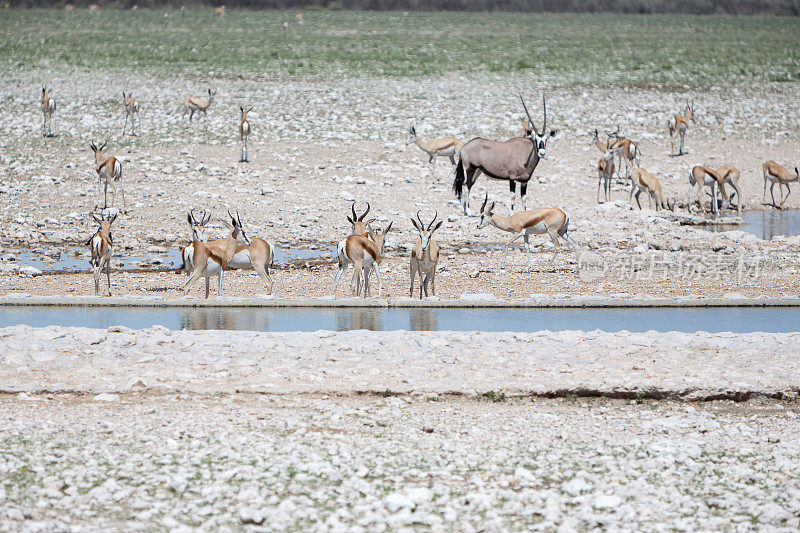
[[660, 365], [264, 463]]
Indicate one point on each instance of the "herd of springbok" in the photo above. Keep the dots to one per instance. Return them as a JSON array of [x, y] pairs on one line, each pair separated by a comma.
[[513, 160]]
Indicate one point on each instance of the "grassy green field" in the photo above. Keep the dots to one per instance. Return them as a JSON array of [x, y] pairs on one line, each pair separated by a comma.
[[578, 48]]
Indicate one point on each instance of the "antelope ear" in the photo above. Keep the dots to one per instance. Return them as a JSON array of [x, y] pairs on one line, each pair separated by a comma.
[[189, 218], [553, 133], [414, 222], [96, 219], [370, 221], [437, 226], [388, 228], [241, 108], [350, 220], [112, 219]]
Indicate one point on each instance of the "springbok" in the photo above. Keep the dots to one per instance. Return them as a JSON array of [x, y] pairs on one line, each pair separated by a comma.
[[365, 254], [513, 160], [679, 124], [552, 221], [195, 103], [701, 176], [360, 227], [100, 245], [131, 106], [257, 254], [109, 169], [220, 11], [285, 30], [209, 259], [626, 150], [605, 168], [244, 132], [424, 256], [644, 181], [94, 9], [774, 173], [69, 8], [48, 105], [443, 147]]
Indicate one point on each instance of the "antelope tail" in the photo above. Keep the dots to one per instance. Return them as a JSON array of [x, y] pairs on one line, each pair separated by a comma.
[[458, 183]]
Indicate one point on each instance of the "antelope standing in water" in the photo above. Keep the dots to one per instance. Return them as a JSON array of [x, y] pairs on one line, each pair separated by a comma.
[[209, 259], [644, 181], [679, 124], [100, 245], [424, 256], [552, 221], [513, 160], [131, 106], [48, 113], [444, 147], [109, 169], [244, 132], [774, 173], [365, 254], [195, 103], [256, 254]]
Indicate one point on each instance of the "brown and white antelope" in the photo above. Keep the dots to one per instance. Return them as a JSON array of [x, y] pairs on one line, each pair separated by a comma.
[[211, 259], [644, 181], [48, 105], [553, 221], [424, 256], [625, 150], [257, 254], [69, 8], [443, 147], [679, 124], [195, 103], [100, 245], [131, 106], [701, 176], [94, 9], [244, 132], [359, 225], [109, 169], [513, 160], [365, 254], [605, 168], [774, 173], [220, 11]]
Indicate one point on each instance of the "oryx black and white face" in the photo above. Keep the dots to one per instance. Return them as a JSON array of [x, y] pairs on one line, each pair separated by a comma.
[[540, 141], [531, 132]]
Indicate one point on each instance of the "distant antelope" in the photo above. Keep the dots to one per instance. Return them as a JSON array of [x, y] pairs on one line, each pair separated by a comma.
[[131, 106], [209, 259], [644, 181], [552, 221], [244, 132], [605, 168], [298, 18], [166, 20], [94, 9], [424, 256], [285, 30], [135, 8], [625, 150], [220, 11], [360, 226], [257, 254], [679, 124], [48, 105], [69, 8], [365, 254], [195, 103], [109, 169], [701, 176], [513, 160], [444, 147], [100, 245], [774, 173]]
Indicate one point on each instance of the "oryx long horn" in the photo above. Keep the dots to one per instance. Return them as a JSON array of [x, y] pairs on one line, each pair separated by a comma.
[[365, 213], [486, 199], [435, 215], [544, 106], [530, 120]]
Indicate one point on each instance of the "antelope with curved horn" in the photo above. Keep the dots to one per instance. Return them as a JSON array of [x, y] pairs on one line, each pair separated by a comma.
[[679, 124], [424, 256], [644, 181], [701, 176], [626, 150], [109, 169], [244, 131], [605, 168], [513, 160], [210, 259], [360, 226], [365, 254], [774, 173], [731, 176], [100, 245], [198, 225], [195, 103], [553, 221], [131, 106], [48, 113], [444, 147]]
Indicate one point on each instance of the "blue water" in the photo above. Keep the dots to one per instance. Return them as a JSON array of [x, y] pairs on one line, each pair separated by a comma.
[[765, 224], [714, 319]]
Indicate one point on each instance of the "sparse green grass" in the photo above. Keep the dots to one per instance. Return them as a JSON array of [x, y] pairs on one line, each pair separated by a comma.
[[572, 48]]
